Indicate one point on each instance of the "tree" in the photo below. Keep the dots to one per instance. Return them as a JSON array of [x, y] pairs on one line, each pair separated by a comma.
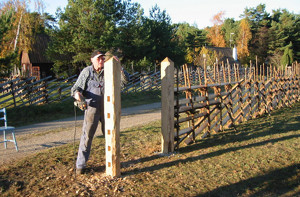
[[243, 39], [17, 33], [288, 56], [215, 34], [158, 27], [230, 28], [257, 17], [285, 28], [190, 40], [84, 26]]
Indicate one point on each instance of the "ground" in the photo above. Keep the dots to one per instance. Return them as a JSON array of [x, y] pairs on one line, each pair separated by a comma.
[[34, 138]]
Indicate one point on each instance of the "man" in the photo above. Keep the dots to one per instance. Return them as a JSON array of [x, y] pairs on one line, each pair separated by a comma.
[[89, 92]]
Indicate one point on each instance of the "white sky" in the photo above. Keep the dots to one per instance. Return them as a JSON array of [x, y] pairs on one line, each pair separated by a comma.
[[199, 12]]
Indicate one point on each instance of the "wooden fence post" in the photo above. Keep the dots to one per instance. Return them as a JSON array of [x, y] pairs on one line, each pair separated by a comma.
[[112, 114], [167, 103], [13, 92]]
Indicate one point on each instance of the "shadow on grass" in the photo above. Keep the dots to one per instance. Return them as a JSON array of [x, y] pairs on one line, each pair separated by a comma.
[[274, 183], [251, 130], [199, 157]]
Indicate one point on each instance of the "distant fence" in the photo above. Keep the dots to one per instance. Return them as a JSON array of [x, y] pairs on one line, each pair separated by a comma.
[[138, 82], [29, 91]]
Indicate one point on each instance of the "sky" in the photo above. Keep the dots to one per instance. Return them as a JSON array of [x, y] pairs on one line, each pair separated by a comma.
[[198, 12]]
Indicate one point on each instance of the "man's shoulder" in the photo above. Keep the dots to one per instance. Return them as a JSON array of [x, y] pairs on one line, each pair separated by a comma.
[[86, 71], [88, 68]]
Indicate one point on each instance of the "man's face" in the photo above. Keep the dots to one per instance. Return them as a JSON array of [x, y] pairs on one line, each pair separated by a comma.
[[98, 62]]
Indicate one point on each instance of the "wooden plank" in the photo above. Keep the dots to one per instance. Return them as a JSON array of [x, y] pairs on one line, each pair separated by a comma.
[[112, 114], [167, 102], [197, 132], [199, 115], [180, 89]]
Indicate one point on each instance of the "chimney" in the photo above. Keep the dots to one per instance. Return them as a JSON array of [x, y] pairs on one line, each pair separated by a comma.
[[234, 53]]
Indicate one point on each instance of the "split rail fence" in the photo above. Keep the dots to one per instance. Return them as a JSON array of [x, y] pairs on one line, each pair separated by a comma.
[[225, 97], [29, 91], [21, 92]]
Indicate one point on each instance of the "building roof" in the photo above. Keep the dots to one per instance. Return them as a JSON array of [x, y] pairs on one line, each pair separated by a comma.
[[225, 51], [38, 51]]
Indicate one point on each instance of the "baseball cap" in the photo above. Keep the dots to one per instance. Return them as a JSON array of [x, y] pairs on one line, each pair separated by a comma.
[[97, 53]]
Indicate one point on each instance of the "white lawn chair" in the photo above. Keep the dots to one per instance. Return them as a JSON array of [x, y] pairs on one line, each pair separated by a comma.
[[7, 128]]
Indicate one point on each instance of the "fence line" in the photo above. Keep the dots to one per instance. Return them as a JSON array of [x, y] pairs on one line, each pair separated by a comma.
[[223, 102], [21, 92]]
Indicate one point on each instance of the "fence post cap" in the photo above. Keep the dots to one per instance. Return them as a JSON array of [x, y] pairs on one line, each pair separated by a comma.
[[167, 60]]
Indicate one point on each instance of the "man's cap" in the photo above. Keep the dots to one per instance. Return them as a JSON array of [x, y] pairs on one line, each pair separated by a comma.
[[97, 53]]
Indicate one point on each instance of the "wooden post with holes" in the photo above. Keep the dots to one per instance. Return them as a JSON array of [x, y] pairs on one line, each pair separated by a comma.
[[167, 105], [112, 114]]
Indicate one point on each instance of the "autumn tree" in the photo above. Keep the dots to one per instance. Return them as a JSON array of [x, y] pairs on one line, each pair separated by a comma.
[[17, 34], [243, 40], [215, 34]]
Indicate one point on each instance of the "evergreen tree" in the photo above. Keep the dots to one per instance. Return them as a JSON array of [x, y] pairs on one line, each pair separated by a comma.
[[288, 56], [86, 25], [230, 28]]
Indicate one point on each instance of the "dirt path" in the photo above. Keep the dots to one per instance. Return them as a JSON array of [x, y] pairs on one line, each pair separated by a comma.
[[37, 137]]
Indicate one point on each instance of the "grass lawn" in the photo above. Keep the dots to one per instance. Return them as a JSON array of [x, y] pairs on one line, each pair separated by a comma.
[[261, 159], [27, 115]]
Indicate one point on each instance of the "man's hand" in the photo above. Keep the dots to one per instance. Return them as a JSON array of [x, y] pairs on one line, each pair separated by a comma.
[[81, 105], [80, 102]]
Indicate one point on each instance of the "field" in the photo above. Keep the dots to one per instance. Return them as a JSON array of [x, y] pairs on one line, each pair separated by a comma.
[[261, 159]]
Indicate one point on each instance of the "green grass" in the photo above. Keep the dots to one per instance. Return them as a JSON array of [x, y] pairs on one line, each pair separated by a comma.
[[20, 116], [261, 159]]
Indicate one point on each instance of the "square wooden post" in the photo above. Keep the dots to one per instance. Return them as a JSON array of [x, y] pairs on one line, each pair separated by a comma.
[[167, 103], [112, 114]]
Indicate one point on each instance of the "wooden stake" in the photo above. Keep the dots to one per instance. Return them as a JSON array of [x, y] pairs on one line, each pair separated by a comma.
[[112, 111], [238, 72], [215, 71], [224, 74], [256, 70], [229, 72], [263, 73], [167, 103], [205, 73], [250, 72], [218, 71], [199, 74], [260, 74], [235, 75]]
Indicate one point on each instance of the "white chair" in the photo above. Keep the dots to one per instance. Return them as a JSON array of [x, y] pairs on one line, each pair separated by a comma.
[[7, 128]]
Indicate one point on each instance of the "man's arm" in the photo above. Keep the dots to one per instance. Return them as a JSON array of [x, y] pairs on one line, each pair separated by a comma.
[[79, 86]]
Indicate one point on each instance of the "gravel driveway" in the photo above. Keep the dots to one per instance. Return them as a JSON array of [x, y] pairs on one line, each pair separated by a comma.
[[34, 138]]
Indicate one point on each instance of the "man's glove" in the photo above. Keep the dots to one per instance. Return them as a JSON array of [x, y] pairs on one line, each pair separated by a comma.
[[80, 101], [81, 105]]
